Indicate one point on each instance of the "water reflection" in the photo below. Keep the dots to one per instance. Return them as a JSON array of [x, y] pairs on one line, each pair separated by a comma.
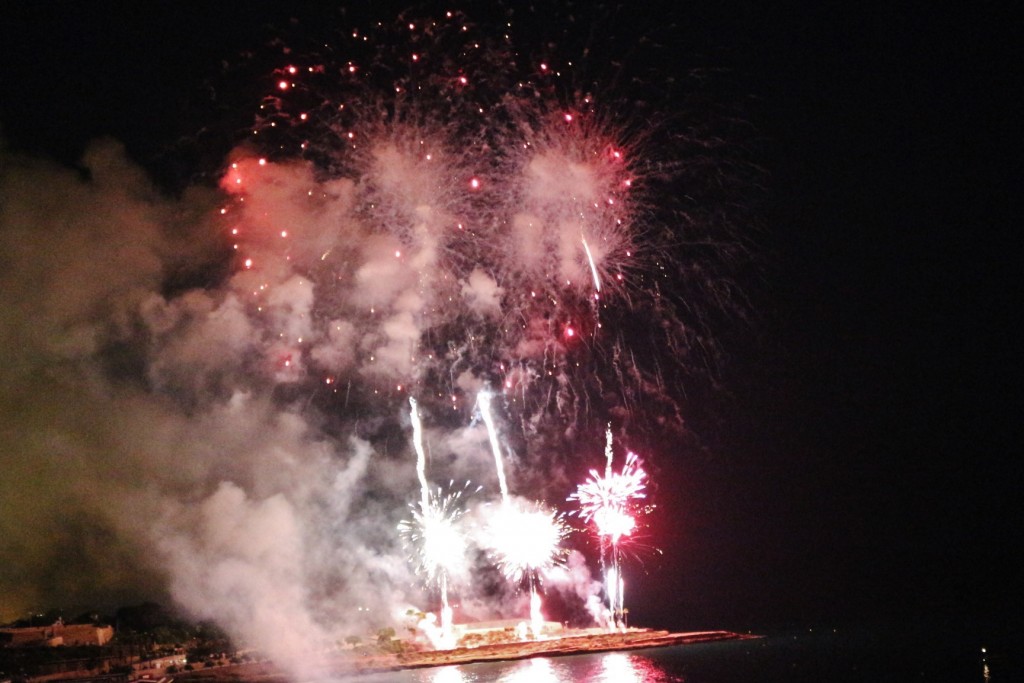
[[538, 670], [448, 674], [622, 667], [611, 667], [608, 667], [617, 667]]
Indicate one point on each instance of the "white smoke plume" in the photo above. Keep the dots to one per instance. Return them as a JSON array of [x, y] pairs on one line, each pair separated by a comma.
[[144, 452], [186, 427]]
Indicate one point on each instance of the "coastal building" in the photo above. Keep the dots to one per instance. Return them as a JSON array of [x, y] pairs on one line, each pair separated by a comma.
[[56, 634], [484, 631]]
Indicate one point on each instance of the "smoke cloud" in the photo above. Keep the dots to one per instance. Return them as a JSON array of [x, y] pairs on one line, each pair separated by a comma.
[[221, 445]]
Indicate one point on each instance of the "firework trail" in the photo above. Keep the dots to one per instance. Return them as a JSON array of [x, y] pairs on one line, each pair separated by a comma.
[[483, 401], [421, 458], [434, 525], [609, 452], [593, 267]]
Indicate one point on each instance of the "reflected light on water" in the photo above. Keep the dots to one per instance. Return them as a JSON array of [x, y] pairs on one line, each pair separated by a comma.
[[619, 667], [611, 667], [447, 674], [538, 670]]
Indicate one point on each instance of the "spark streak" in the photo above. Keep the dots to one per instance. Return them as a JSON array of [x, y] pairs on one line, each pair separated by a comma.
[[593, 268], [483, 401], [421, 459]]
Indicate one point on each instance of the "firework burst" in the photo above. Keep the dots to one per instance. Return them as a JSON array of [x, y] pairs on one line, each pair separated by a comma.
[[610, 502], [436, 537], [524, 539], [492, 222]]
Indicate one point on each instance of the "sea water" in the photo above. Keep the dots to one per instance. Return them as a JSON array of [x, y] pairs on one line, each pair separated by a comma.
[[820, 654]]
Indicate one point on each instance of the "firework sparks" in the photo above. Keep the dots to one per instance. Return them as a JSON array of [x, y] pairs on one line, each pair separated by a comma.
[[440, 547], [529, 222], [434, 532], [609, 503], [525, 538]]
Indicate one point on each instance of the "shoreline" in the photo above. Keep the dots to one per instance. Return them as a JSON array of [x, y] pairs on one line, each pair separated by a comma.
[[583, 643]]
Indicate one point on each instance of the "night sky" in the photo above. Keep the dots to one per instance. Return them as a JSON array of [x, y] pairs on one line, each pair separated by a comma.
[[855, 459]]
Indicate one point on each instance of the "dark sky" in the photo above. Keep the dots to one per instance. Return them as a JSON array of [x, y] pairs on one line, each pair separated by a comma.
[[866, 463]]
